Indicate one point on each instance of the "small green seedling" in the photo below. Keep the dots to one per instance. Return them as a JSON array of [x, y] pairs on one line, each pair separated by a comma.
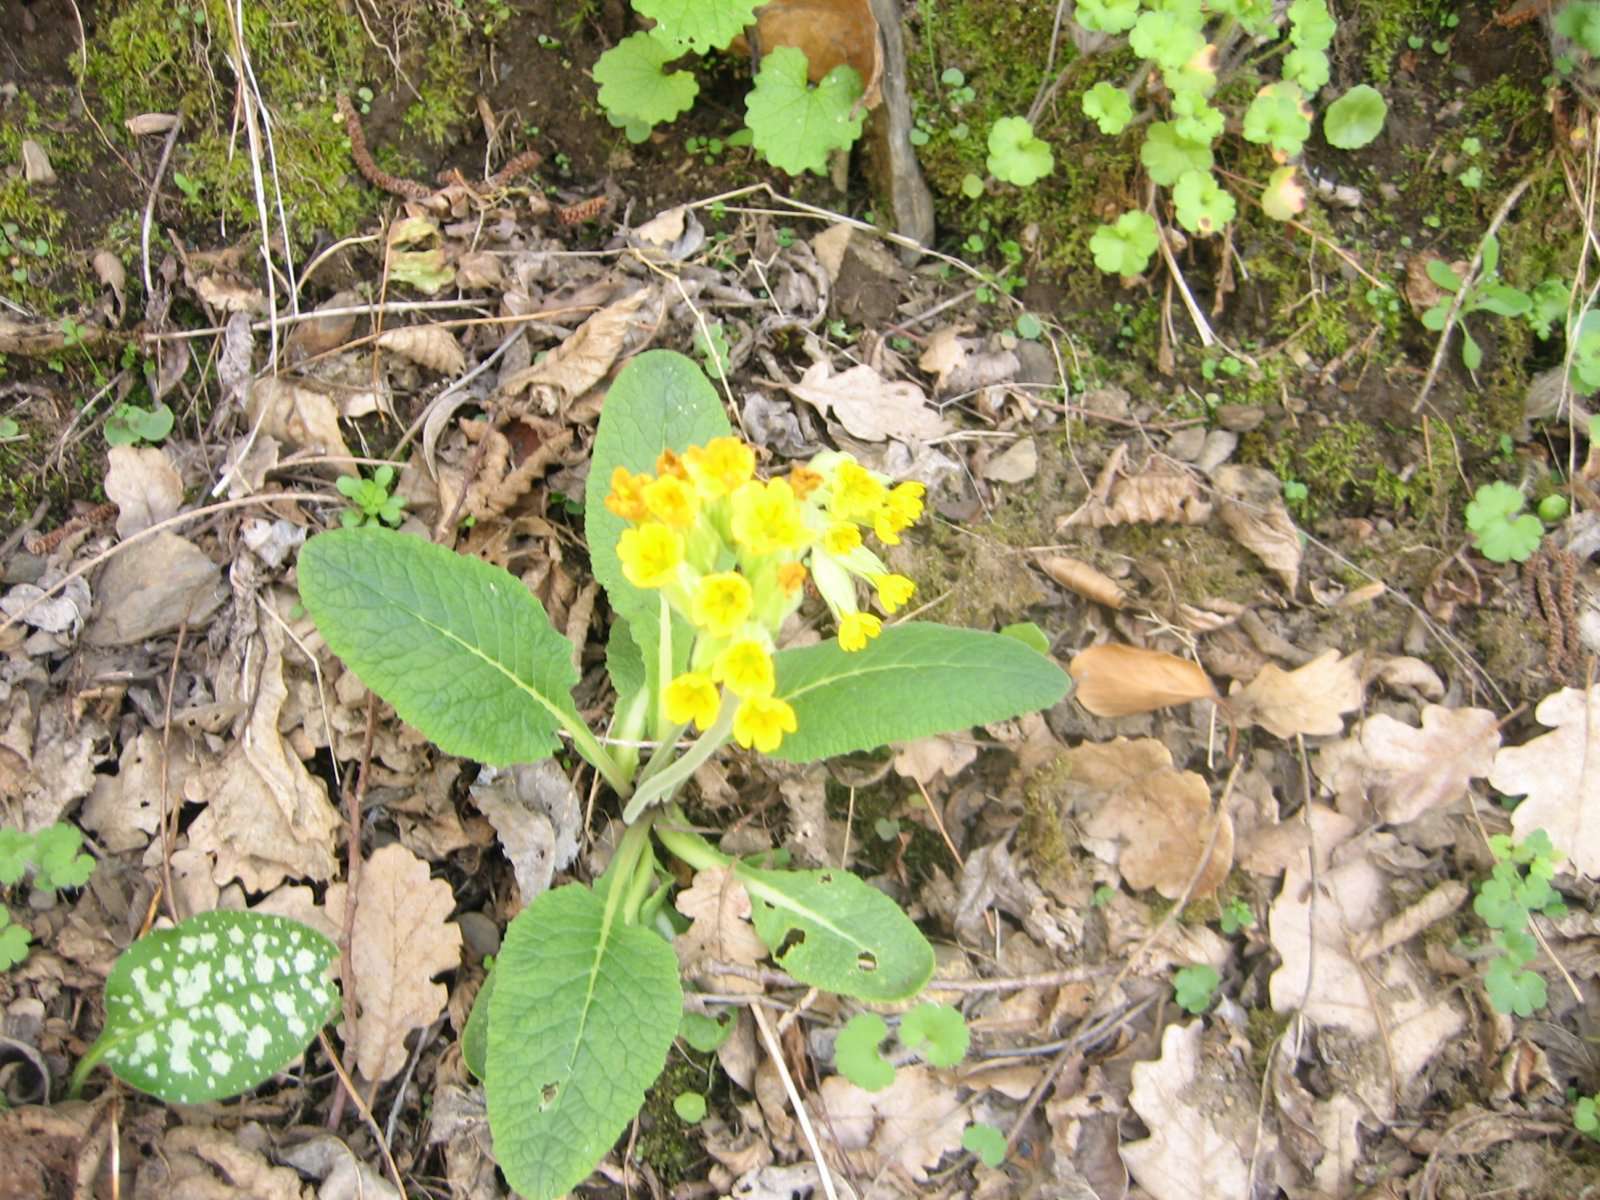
[[987, 1142], [1486, 293], [128, 425], [1015, 155], [1586, 1113], [373, 503], [703, 1033], [10, 431], [1103, 895], [711, 344], [1502, 530], [1124, 248], [690, 1107], [1518, 888], [1195, 987], [936, 1033], [1236, 915], [53, 856], [14, 941], [1355, 118], [1553, 508], [858, 1052]]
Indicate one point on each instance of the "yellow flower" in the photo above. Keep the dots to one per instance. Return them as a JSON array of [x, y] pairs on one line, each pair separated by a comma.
[[693, 697], [893, 591], [841, 538], [650, 555], [720, 466], [857, 629], [762, 721], [722, 603], [791, 575], [668, 463], [804, 481], [626, 498], [857, 493], [746, 668], [901, 509], [766, 517], [672, 501]]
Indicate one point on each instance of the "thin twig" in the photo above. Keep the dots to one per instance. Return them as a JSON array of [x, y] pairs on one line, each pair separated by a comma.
[[810, 1134], [366, 1112], [150, 204]]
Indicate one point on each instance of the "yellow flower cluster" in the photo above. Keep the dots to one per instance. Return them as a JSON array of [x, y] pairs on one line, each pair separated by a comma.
[[730, 552]]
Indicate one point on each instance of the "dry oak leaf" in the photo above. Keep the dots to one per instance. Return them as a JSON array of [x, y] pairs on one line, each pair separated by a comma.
[[1191, 1154], [1151, 820], [1089, 582], [401, 939], [298, 414], [945, 353], [719, 911], [1559, 773], [1250, 503], [911, 1124], [1309, 700], [868, 405], [1405, 771], [431, 346], [1114, 680], [1163, 493]]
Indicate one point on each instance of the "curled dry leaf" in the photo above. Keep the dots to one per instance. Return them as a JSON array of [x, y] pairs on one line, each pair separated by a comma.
[[431, 346], [1405, 771], [36, 166], [1309, 700], [946, 351], [403, 936], [1164, 493], [148, 123], [583, 360], [1016, 464], [911, 1124], [928, 758], [1089, 582], [298, 414], [1250, 503], [868, 405], [1117, 681], [1150, 819], [108, 269], [1558, 773]]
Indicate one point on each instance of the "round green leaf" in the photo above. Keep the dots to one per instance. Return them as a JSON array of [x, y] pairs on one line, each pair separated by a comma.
[[1278, 117], [1166, 39], [1107, 16], [1015, 155], [937, 1033], [856, 1051], [1355, 118], [987, 1142], [1194, 119], [971, 186], [690, 1107], [635, 87], [1108, 107], [796, 126], [1202, 204], [700, 25], [1125, 247], [1284, 197], [1194, 987], [216, 1005], [1167, 154], [1308, 68]]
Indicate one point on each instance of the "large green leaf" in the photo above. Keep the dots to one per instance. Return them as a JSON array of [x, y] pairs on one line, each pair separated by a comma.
[[911, 681], [831, 930], [461, 648], [215, 1005], [583, 1013], [660, 401]]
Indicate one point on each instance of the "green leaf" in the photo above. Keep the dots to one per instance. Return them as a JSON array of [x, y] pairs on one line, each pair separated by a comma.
[[1308, 68], [936, 1032], [1015, 155], [1107, 106], [1443, 275], [1581, 23], [1203, 206], [703, 1033], [14, 941], [475, 1036], [913, 680], [987, 1142], [461, 648], [1586, 1115], [858, 1055], [215, 1005], [699, 24], [1503, 531], [1512, 990], [582, 1017], [971, 186], [1125, 248], [635, 85], [796, 126], [1194, 987], [1471, 352], [1284, 196], [1502, 299], [1029, 634], [690, 1107], [57, 862], [130, 424], [1311, 26], [1278, 117], [831, 930], [1107, 16], [1167, 154], [1166, 39], [1194, 118], [1355, 118]]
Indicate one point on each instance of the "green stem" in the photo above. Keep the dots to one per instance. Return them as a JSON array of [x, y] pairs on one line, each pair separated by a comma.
[[586, 744], [663, 668], [618, 880], [87, 1063], [675, 836], [644, 875], [668, 779]]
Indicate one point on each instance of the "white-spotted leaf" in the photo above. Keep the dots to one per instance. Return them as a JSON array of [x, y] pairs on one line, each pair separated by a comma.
[[912, 681], [215, 1005], [832, 930], [583, 1013]]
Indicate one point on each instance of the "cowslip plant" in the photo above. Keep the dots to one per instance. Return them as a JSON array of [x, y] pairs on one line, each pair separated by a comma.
[[703, 562], [1518, 887], [792, 124], [1502, 530], [936, 1033], [1187, 50]]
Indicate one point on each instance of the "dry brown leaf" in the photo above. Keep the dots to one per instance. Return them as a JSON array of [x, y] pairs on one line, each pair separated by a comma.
[[831, 33], [402, 938], [1405, 771], [298, 414], [431, 346], [911, 1124], [928, 758], [1165, 493], [1089, 582], [325, 330], [1197, 1126], [1250, 503], [536, 815], [148, 123], [208, 1162], [1117, 681], [108, 269], [1308, 700], [36, 166], [1150, 819], [945, 353], [1017, 464], [144, 486], [1559, 773], [719, 911], [868, 406], [153, 587], [583, 360]]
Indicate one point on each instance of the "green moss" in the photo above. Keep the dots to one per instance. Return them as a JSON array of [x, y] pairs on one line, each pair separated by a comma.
[[1263, 1027], [1199, 563], [1041, 837], [445, 93], [665, 1141], [919, 855]]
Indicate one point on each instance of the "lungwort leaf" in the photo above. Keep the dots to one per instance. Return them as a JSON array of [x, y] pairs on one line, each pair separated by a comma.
[[831, 930], [911, 681], [583, 1013], [216, 1005], [461, 648]]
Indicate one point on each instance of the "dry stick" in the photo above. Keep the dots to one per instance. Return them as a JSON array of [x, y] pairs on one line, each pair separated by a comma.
[[161, 527], [364, 1110], [168, 833], [150, 204], [776, 1051], [1468, 280], [353, 797]]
